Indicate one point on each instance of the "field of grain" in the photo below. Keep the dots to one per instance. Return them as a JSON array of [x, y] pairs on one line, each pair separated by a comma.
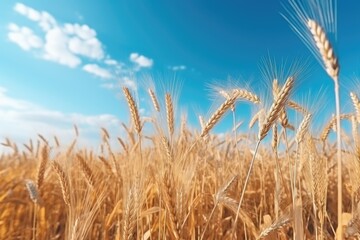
[[182, 183], [278, 180]]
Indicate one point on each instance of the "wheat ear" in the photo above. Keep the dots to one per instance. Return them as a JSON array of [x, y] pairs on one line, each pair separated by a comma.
[[133, 110], [247, 95], [219, 113], [303, 128], [85, 168], [169, 113], [64, 182], [154, 100], [356, 103], [326, 50], [276, 107], [42, 167], [33, 191]]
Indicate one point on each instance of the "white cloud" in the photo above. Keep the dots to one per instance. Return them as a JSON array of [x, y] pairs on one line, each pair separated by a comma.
[[83, 31], [62, 44], [56, 48], [90, 48], [141, 60], [178, 68], [22, 120], [111, 62], [97, 71], [24, 37], [45, 20], [68, 44], [30, 13]]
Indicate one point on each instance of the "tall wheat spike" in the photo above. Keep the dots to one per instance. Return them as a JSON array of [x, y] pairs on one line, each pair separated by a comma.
[[169, 113], [332, 68], [326, 50], [133, 110]]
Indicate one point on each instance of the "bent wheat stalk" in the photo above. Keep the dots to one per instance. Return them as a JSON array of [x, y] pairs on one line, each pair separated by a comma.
[[272, 116]]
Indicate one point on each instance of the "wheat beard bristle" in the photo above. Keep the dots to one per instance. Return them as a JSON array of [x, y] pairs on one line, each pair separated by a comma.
[[326, 50]]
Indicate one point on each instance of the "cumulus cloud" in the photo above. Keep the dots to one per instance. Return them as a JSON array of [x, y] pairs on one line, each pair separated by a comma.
[[141, 60], [24, 37], [29, 12], [64, 44], [83, 31], [90, 48], [71, 44], [97, 71], [178, 68], [45, 20], [56, 49]]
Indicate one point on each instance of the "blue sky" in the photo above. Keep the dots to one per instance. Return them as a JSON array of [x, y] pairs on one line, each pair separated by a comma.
[[64, 62]]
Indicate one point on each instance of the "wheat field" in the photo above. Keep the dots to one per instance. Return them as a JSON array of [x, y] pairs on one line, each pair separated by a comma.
[[183, 183], [167, 179]]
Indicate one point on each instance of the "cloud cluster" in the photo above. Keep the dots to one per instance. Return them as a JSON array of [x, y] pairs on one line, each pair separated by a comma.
[[71, 44], [64, 44], [22, 119], [141, 60], [24, 37]]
